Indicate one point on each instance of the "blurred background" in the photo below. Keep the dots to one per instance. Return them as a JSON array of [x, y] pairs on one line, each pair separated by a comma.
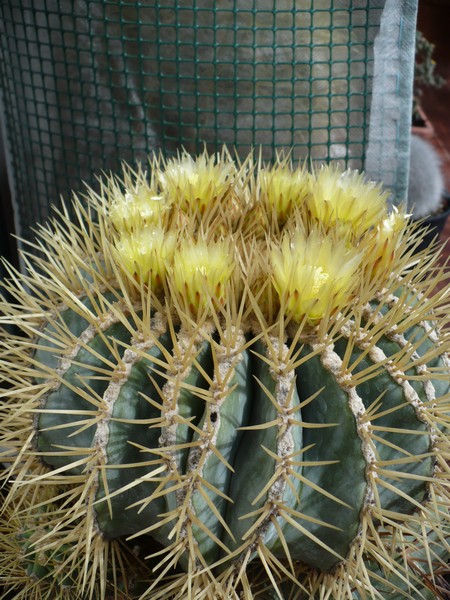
[[434, 22]]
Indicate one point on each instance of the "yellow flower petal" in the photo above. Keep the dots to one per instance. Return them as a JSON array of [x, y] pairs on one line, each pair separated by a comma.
[[196, 183], [146, 254], [136, 208], [384, 242], [282, 188], [340, 198], [202, 271], [313, 275]]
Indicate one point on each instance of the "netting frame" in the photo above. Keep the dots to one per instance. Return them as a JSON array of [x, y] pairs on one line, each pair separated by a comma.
[[56, 148]]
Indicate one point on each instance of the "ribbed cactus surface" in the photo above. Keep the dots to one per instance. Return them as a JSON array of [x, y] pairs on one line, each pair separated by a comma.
[[229, 382]]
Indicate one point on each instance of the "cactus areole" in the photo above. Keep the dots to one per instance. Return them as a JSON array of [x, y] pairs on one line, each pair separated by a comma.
[[226, 380]]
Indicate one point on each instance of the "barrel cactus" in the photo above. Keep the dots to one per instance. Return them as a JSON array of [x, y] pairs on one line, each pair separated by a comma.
[[225, 379]]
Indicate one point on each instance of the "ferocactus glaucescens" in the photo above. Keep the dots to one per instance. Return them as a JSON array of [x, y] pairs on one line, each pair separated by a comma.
[[229, 381]]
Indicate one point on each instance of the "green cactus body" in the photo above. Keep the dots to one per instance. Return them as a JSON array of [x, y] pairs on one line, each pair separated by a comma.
[[237, 435], [218, 400]]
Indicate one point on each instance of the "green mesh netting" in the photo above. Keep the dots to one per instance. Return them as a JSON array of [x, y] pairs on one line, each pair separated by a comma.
[[88, 84]]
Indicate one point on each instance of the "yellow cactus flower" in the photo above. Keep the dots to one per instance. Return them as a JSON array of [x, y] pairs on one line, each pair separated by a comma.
[[313, 275], [282, 188], [346, 198], [197, 183], [146, 254], [137, 208], [202, 271], [386, 238]]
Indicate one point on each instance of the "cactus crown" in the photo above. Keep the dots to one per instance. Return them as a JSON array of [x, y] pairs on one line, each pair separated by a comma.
[[242, 362], [205, 232]]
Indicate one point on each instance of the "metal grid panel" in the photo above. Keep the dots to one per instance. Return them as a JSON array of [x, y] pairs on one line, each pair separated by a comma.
[[87, 84]]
